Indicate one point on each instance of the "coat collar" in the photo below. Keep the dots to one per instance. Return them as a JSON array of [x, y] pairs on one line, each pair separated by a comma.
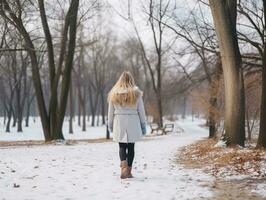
[[122, 90]]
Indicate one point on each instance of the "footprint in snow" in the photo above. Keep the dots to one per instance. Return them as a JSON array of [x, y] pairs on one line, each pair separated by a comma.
[[16, 185], [145, 166]]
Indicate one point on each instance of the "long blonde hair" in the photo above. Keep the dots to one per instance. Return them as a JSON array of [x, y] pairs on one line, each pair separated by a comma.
[[125, 91]]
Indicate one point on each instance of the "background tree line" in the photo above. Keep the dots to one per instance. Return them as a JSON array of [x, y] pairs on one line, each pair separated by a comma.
[[208, 61]]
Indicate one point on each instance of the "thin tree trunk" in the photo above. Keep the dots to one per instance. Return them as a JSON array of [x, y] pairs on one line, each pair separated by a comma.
[[214, 88], [4, 117], [65, 85], [93, 104], [79, 107], [159, 104], [184, 107], [248, 125], [28, 43], [27, 117], [9, 116], [29, 103], [84, 111], [84, 118], [71, 109], [103, 108], [14, 118]]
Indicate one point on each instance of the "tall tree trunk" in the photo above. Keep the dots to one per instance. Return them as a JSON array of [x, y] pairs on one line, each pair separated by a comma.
[[27, 116], [103, 107], [248, 125], [4, 116], [160, 109], [29, 103], [224, 17], [184, 107], [262, 132], [71, 109], [84, 118], [242, 133], [98, 119], [107, 132], [93, 104], [65, 85], [214, 88], [159, 86], [14, 118], [19, 111], [79, 107], [37, 85], [9, 116], [212, 116], [19, 127], [84, 110]]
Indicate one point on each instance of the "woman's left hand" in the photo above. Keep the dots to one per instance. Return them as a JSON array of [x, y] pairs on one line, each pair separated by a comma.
[[143, 128]]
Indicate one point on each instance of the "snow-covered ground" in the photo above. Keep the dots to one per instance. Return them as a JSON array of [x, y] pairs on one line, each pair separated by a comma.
[[91, 171]]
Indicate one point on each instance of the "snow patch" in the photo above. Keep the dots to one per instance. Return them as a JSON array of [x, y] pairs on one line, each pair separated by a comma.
[[220, 143]]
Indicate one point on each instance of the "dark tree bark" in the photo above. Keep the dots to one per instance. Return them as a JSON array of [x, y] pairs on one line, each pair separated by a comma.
[[262, 132], [71, 109], [84, 111], [73, 11], [14, 117], [9, 116], [79, 108], [20, 90]]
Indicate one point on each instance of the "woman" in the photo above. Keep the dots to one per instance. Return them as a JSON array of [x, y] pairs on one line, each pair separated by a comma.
[[126, 119]]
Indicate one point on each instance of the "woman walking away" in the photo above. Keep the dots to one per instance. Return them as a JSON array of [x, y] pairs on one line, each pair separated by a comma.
[[126, 119]]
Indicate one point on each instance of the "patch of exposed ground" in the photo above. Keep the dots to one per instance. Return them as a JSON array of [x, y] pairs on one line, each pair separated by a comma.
[[237, 170], [41, 142]]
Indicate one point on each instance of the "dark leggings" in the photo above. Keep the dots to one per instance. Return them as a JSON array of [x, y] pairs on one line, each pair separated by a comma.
[[126, 152]]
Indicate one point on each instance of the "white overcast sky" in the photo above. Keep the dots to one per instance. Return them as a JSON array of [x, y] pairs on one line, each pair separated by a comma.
[[119, 10]]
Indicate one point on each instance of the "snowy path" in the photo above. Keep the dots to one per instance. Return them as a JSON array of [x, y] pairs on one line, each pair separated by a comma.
[[91, 171]]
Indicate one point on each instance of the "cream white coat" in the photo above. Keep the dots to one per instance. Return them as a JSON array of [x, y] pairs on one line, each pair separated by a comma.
[[127, 122]]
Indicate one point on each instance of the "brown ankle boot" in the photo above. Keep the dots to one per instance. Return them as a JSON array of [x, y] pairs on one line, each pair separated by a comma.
[[124, 169], [129, 172]]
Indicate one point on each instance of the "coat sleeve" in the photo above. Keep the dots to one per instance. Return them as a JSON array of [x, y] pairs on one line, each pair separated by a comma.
[[142, 116], [110, 116]]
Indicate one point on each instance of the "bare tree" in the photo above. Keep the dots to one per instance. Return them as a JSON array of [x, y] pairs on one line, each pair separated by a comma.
[[51, 118], [254, 14], [157, 14]]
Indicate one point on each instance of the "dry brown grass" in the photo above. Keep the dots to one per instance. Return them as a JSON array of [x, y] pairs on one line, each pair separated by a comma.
[[41, 142], [236, 161]]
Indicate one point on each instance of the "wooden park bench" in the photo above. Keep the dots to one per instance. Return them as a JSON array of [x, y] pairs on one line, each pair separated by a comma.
[[166, 129]]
